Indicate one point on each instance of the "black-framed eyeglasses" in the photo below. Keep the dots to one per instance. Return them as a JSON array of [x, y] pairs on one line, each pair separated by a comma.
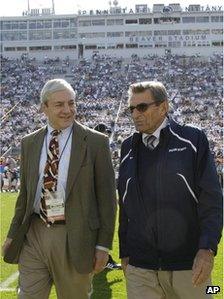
[[142, 107]]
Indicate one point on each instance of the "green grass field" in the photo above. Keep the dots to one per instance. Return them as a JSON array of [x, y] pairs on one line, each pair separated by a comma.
[[107, 285]]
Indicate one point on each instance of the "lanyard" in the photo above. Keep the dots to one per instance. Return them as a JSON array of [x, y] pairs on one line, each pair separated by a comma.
[[64, 145]]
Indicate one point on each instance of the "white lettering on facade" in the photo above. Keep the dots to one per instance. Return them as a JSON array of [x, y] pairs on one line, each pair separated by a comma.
[[170, 38], [143, 9], [203, 8]]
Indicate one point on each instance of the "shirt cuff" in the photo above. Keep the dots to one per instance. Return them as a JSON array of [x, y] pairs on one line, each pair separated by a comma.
[[102, 248]]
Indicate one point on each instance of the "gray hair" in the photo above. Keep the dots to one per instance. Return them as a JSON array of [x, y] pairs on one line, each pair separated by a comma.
[[54, 85], [157, 89]]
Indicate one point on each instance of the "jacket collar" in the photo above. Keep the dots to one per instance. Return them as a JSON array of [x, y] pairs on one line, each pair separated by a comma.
[[136, 137], [173, 124]]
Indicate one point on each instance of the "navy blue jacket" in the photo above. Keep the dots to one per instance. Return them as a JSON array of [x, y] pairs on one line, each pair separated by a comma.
[[189, 201]]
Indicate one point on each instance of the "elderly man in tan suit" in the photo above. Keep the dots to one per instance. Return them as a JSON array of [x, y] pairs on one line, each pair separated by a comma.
[[64, 217]]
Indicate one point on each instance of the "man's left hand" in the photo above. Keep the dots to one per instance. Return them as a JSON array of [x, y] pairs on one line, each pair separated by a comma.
[[100, 260], [202, 267]]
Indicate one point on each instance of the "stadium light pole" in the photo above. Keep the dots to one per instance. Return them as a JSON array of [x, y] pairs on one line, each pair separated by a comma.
[[28, 5], [53, 11]]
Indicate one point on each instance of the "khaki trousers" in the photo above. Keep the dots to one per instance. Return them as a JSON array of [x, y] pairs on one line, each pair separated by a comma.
[[150, 284], [44, 261]]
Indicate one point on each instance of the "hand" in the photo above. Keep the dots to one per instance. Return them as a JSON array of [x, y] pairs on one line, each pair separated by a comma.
[[100, 260], [6, 245], [202, 267], [124, 263]]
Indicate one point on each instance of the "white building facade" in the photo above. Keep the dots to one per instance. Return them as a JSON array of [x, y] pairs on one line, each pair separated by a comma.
[[118, 32]]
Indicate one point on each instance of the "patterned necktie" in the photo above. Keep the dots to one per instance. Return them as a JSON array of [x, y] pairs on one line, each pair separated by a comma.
[[50, 172], [149, 140]]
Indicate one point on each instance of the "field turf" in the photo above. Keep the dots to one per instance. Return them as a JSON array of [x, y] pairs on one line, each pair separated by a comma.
[[107, 285]]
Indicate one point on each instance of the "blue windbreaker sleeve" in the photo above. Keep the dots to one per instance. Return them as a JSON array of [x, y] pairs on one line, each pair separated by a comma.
[[209, 197]]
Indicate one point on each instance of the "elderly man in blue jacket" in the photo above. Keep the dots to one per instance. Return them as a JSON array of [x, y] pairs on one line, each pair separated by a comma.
[[170, 202]]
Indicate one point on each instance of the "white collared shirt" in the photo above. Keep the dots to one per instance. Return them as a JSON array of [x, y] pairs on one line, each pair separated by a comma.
[[64, 157], [156, 133]]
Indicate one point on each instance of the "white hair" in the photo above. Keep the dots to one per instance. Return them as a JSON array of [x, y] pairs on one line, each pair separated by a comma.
[[54, 85]]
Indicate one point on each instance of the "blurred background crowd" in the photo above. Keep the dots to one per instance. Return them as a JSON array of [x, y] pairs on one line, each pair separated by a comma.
[[194, 85]]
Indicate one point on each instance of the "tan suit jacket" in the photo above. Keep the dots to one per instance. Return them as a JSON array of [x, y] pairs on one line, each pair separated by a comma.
[[90, 196]]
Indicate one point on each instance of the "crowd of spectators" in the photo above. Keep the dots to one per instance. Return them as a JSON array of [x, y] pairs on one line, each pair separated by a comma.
[[9, 174], [194, 85]]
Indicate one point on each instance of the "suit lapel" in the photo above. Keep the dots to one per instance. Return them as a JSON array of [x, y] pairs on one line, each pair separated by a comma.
[[78, 151], [35, 159]]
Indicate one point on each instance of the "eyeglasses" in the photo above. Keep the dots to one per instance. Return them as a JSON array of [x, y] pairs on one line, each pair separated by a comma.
[[142, 107]]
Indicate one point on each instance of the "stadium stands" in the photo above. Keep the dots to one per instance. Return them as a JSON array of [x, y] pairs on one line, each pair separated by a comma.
[[194, 85]]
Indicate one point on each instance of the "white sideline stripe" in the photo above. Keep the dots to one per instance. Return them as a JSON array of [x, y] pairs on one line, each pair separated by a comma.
[[126, 189], [188, 186], [7, 290], [9, 280], [125, 157], [183, 139]]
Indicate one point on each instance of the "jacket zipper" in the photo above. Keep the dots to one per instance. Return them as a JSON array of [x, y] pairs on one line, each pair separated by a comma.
[[159, 200]]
